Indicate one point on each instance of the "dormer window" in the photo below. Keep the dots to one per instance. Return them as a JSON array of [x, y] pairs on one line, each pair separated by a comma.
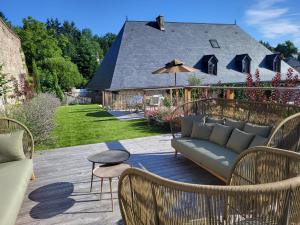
[[243, 63], [274, 62], [210, 64]]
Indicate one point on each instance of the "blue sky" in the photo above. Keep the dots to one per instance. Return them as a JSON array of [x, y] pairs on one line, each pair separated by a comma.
[[270, 20]]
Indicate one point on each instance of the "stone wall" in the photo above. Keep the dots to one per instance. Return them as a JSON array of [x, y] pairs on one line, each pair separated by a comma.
[[11, 54]]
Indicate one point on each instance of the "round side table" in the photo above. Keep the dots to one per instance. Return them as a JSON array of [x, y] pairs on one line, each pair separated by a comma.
[[109, 172], [108, 158]]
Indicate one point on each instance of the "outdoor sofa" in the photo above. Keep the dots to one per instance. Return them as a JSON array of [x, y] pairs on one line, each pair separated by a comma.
[[16, 168], [214, 132]]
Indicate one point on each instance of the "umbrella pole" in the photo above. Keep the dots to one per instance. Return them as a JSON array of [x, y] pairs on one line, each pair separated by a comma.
[[175, 80]]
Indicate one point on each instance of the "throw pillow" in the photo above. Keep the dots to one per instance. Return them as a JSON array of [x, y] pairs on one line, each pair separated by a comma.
[[187, 124], [11, 146], [263, 131], [234, 123], [214, 120], [201, 131], [220, 134], [258, 141], [239, 140]]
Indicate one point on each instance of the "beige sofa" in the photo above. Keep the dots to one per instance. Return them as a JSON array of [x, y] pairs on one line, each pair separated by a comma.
[[215, 144]]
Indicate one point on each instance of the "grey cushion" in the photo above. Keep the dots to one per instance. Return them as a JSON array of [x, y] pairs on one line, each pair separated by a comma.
[[239, 140], [263, 131], [220, 134], [212, 156], [201, 131], [11, 146], [187, 124], [258, 141], [213, 120], [14, 178], [234, 123]]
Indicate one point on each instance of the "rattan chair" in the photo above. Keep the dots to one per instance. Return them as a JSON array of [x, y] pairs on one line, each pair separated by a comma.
[[264, 188], [8, 125]]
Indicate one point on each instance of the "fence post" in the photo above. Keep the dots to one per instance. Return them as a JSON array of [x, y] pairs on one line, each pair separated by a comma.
[[187, 95]]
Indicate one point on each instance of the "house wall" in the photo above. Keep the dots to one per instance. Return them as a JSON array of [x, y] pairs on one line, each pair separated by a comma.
[[11, 55]]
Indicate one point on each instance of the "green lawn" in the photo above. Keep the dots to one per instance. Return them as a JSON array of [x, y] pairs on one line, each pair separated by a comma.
[[87, 124]]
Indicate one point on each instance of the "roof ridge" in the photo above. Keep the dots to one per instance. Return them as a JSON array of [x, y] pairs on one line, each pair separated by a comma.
[[207, 23]]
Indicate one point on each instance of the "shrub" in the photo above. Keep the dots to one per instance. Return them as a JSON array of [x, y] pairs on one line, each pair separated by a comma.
[[38, 115], [167, 102]]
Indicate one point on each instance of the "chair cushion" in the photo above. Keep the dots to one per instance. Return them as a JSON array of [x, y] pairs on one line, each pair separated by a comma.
[[220, 134], [14, 177], [263, 131], [235, 124], [239, 140], [258, 141], [212, 156], [201, 131], [187, 124], [11, 146], [213, 120]]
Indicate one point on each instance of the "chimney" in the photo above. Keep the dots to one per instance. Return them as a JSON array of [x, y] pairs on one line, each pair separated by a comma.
[[160, 22]]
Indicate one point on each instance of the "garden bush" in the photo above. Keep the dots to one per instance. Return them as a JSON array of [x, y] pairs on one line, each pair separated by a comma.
[[38, 115]]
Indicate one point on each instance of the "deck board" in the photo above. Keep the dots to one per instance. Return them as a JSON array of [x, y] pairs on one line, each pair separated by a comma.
[[60, 194]]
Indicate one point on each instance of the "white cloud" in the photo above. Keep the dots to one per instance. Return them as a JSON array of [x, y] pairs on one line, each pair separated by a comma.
[[274, 21]]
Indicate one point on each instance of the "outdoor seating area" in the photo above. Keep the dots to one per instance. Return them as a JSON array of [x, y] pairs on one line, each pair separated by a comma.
[[126, 118], [247, 153]]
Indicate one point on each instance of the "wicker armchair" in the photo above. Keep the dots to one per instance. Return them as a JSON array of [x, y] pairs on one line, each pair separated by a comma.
[[8, 125], [264, 188], [285, 119]]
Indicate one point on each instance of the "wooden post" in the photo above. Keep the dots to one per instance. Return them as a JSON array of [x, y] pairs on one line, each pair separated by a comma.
[[144, 100], [171, 96], [103, 98], [187, 95]]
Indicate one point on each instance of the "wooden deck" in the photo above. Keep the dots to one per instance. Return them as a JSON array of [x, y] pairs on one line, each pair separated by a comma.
[[61, 195]]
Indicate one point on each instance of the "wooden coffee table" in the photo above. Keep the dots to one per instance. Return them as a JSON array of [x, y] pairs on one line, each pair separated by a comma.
[[108, 158], [109, 172]]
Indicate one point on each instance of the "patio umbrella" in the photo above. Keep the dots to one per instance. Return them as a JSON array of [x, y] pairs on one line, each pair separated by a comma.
[[175, 66]]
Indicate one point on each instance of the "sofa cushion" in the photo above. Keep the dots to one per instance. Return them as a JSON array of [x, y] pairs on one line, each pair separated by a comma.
[[258, 141], [212, 156], [239, 140], [14, 177], [220, 134], [263, 131], [11, 146], [213, 120], [201, 131], [187, 124], [235, 123]]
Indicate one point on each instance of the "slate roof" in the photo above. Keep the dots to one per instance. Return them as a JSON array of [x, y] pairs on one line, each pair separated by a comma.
[[140, 48], [293, 62]]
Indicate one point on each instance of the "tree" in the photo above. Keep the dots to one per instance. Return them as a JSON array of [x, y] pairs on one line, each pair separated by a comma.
[[61, 72], [6, 21], [287, 49], [36, 77], [88, 54], [106, 41], [38, 43], [193, 80], [267, 45]]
